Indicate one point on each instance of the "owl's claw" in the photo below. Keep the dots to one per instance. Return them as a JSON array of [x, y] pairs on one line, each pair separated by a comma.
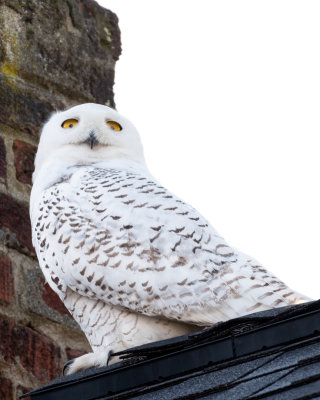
[[109, 356], [90, 360], [66, 365]]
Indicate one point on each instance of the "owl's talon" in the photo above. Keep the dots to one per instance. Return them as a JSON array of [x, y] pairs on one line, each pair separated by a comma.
[[66, 366], [109, 356], [98, 359]]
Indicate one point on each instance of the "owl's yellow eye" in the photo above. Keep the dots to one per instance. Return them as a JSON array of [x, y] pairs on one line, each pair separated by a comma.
[[69, 123], [114, 126]]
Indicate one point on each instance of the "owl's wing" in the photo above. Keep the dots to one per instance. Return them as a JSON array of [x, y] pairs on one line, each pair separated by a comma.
[[119, 236]]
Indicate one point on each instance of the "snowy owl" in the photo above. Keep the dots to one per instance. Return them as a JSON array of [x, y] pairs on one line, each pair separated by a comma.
[[132, 262]]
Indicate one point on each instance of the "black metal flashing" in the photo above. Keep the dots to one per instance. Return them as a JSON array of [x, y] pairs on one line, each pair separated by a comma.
[[189, 367]]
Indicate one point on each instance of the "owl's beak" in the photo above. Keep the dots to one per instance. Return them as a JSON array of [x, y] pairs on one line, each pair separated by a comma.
[[91, 139]]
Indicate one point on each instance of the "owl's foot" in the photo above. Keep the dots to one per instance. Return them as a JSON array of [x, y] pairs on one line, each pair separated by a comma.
[[90, 360]]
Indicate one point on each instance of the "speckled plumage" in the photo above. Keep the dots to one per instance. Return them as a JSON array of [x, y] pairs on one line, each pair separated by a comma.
[[132, 262]]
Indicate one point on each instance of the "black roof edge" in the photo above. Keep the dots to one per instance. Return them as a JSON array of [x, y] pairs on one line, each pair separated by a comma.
[[189, 353]]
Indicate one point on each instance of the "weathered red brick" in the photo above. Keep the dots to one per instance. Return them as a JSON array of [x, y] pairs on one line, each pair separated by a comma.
[[52, 299], [6, 327], [6, 392], [43, 301], [21, 108], [36, 353], [3, 163], [23, 390], [24, 154], [15, 227], [73, 353], [6, 279]]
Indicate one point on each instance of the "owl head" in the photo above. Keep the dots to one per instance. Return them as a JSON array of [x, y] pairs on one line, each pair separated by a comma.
[[88, 133]]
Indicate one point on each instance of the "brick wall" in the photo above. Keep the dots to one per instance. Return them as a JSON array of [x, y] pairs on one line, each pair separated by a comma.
[[53, 54]]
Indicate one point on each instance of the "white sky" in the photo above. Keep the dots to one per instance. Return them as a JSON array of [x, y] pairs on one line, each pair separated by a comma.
[[226, 96]]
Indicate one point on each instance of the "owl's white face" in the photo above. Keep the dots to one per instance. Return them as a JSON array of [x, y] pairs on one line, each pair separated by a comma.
[[88, 133]]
